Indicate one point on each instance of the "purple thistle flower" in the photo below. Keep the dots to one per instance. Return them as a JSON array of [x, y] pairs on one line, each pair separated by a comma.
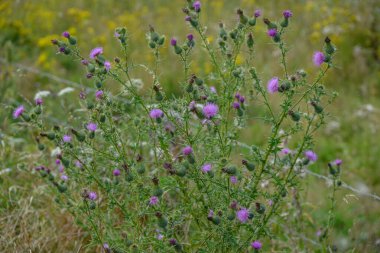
[[82, 95], [39, 101], [210, 110], [190, 37], [116, 172], [172, 241], [242, 99], [107, 65], [92, 196], [197, 6], [62, 49], [173, 42], [116, 34], [95, 52], [192, 106], [187, 18], [318, 58], [338, 162], [18, 111], [236, 105], [84, 62], [61, 169], [273, 85], [106, 247], [92, 127], [64, 177], [210, 214], [78, 164], [57, 161], [156, 114], [153, 200], [187, 150], [272, 32], [66, 34], [311, 156], [213, 89], [287, 14], [66, 138], [206, 167], [242, 215], [285, 151], [257, 13], [256, 245], [160, 236], [233, 180], [99, 94]]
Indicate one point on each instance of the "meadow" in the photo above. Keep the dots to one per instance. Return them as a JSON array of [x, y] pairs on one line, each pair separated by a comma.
[[30, 218]]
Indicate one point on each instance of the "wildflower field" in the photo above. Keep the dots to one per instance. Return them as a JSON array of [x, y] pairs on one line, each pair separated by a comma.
[[190, 126]]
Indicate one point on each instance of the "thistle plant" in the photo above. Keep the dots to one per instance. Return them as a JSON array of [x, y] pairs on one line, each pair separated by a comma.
[[145, 171]]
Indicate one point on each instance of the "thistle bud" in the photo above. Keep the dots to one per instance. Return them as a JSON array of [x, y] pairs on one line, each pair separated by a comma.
[[329, 48], [243, 19], [317, 108], [260, 208], [230, 170], [250, 41], [269, 24], [294, 115], [72, 40], [161, 40], [248, 165], [284, 86], [161, 222]]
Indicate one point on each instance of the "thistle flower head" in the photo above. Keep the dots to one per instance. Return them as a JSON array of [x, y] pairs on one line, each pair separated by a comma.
[[116, 172], [173, 42], [285, 151], [92, 127], [256, 245], [66, 34], [156, 113], [39, 101], [311, 156], [287, 13], [187, 150], [107, 65], [190, 37], [233, 179], [338, 162], [92, 196], [99, 94], [153, 200], [197, 6], [210, 110], [206, 167], [318, 58], [66, 138], [242, 215], [273, 85], [18, 111], [95, 52], [257, 13], [272, 32]]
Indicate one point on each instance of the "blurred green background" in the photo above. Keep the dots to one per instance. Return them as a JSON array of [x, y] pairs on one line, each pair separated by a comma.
[[29, 219]]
